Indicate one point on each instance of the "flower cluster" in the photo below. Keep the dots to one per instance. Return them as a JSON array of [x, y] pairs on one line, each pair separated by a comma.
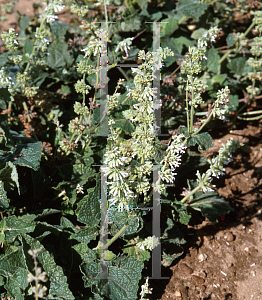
[[50, 10], [173, 159], [220, 107], [124, 45], [10, 40], [145, 289], [149, 243], [98, 44], [217, 165], [139, 151]]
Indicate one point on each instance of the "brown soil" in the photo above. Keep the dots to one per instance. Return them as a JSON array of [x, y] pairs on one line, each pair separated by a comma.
[[222, 260]]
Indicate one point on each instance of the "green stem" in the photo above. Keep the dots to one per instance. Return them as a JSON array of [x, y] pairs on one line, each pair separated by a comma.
[[250, 119], [203, 125], [190, 194], [106, 17], [187, 108], [192, 107], [111, 241], [240, 39]]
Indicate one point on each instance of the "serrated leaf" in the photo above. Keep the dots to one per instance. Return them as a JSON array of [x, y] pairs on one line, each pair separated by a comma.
[[211, 205], [9, 176], [11, 262], [28, 155], [58, 281], [86, 254], [180, 213], [220, 78], [24, 22], [213, 60], [13, 267], [192, 8], [167, 259], [180, 42], [126, 125], [120, 218], [17, 282], [58, 29], [124, 277], [231, 39], [196, 34], [58, 55], [4, 95], [88, 209], [4, 129], [16, 226], [4, 203], [204, 141], [172, 234], [168, 26], [233, 101], [85, 235], [237, 66], [133, 251]]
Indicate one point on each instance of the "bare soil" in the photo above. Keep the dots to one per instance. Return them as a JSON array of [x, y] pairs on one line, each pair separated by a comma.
[[222, 260]]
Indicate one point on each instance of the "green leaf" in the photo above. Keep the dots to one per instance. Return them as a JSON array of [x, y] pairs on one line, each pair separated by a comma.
[[58, 29], [180, 42], [88, 209], [5, 97], [120, 218], [28, 155], [4, 129], [213, 60], [172, 234], [204, 141], [133, 251], [231, 39], [16, 226], [85, 235], [168, 26], [167, 259], [211, 205], [233, 101], [58, 281], [180, 213], [58, 55], [24, 22], [237, 66], [192, 8], [9, 176], [86, 254], [28, 49], [126, 125], [220, 78], [4, 203], [124, 277], [196, 34], [13, 267]]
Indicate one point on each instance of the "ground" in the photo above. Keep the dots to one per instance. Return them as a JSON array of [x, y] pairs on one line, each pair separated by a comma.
[[222, 260]]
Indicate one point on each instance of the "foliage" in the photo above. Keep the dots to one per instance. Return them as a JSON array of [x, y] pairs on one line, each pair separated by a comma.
[[77, 130]]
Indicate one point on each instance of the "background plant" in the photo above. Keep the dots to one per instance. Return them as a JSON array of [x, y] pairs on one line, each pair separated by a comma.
[[51, 148]]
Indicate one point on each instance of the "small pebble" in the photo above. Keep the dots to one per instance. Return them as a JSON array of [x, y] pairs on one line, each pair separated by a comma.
[[229, 237], [202, 257], [185, 268], [198, 280], [178, 294]]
